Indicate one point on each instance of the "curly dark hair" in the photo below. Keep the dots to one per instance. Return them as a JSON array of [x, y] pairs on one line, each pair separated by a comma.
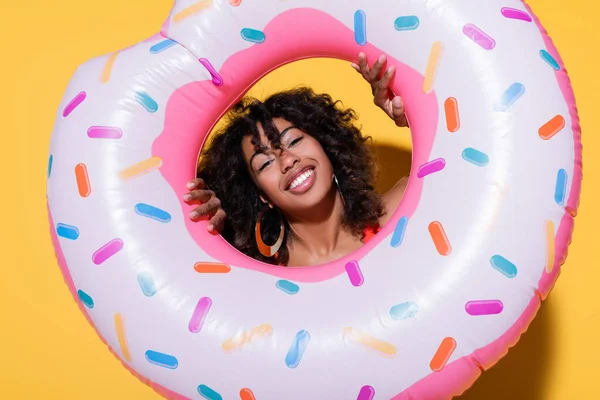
[[223, 168]]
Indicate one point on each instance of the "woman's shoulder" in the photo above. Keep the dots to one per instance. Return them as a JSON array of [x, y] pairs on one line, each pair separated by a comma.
[[391, 199]]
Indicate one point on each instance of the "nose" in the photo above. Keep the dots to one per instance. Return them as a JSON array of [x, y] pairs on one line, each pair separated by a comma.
[[288, 159]]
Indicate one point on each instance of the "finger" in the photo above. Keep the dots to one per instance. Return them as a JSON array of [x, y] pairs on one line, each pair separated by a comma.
[[364, 66], [199, 195], [355, 66], [208, 208], [217, 221], [398, 112], [376, 68], [381, 93], [197, 183]]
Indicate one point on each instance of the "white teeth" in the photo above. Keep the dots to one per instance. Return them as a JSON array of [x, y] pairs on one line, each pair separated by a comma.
[[301, 179]]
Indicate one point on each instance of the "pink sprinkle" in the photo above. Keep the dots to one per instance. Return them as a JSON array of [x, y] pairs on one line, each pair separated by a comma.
[[216, 78], [73, 104], [479, 36], [354, 273], [104, 132], [431, 167], [513, 13], [366, 393], [200, 314], [107, 251], [484, 307]]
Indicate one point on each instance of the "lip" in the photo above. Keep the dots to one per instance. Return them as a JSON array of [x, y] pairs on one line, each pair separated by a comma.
[[295, 175]]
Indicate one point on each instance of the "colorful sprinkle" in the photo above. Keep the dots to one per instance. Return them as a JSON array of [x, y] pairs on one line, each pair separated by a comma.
[[552, 127], [161, 359], [431, 167], [513, 13], [484, 307], [475, 157], [253, 35], [246, 394], [141, 168], [433, 64], [440, 240], [550, 246], [162, 46], [107, 251], [452, 115], [148, 211], [443, 354], [86, 299], [406, 23], [146, 101], [404, 311], [67, 231], [216, 78], [200, 313], [510, 96], [83, 180], [212, 268], [479, 36], [50, 160], [108, 67], [73, 104], [550, 60], [360, 27], [104, 132], [191, 10], [504, 266], [297, 349], [120, 328], [147, 284], [366, 393], [246, 337], [287, 286], [399, 231], [208, 393], [236, 3], [560, 191], [354, 273], [380, 346]]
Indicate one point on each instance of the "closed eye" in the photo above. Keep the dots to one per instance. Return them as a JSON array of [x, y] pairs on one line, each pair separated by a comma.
[[265, 165], [295, 141]]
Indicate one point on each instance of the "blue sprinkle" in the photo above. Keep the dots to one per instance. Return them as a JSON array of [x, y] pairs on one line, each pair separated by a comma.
[[287, 286], [208, 393], [146, 101], [510, 96], [297, 349], [475, 157], [549, 59], [253, 35], [50, 159], [560, 190], [360, 27], [162, 46], [161, 359], [67, 231], [146, 210], [85, 299], [407, 23], [398, 235], [147, 284], [404, 311], [504, 266]]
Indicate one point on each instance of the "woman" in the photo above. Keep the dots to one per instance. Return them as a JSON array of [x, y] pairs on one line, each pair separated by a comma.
[[292, 180]]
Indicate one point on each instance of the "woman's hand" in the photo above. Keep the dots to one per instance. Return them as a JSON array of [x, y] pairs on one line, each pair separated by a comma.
[[383, 96], [210, 205]]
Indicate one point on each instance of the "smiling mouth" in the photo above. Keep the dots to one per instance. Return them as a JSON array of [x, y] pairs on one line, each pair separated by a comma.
[[301, 178]]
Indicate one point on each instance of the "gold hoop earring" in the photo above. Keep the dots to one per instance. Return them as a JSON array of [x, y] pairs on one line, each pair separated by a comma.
[[266, 249], [339, 190]]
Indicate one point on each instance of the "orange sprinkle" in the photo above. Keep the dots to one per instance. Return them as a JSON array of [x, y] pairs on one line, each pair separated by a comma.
[[552, 127], [141, 168], [246, 337], [452, 117], [212, 268], [120, 328], [443, 354], [246, 394], [369, 341], [108, 67], [440, 240], [432, 66], [550, 253], [83, 180], [191, 10]]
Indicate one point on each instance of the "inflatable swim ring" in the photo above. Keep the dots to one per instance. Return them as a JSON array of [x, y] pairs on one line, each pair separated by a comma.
[[437, 296]]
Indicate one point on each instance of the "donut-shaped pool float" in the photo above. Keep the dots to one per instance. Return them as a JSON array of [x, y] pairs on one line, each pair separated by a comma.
[[437, 296]]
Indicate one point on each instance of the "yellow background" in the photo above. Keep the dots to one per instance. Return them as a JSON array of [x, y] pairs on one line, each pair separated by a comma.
[[48, 349]]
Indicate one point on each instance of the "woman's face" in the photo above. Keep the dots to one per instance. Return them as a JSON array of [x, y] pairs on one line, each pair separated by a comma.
[[295, 177]]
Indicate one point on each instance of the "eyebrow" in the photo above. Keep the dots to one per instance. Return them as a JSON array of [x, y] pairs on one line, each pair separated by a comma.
[[261, 150]]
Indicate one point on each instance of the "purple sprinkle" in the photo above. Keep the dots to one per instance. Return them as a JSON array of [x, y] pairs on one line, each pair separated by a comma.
[[484, 307], [216, 78], [200, 313], [513, 13], [478, 36], [104, 132], [354, 273], [431, 167], [73, 104], [107, 251], [366, 393]]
